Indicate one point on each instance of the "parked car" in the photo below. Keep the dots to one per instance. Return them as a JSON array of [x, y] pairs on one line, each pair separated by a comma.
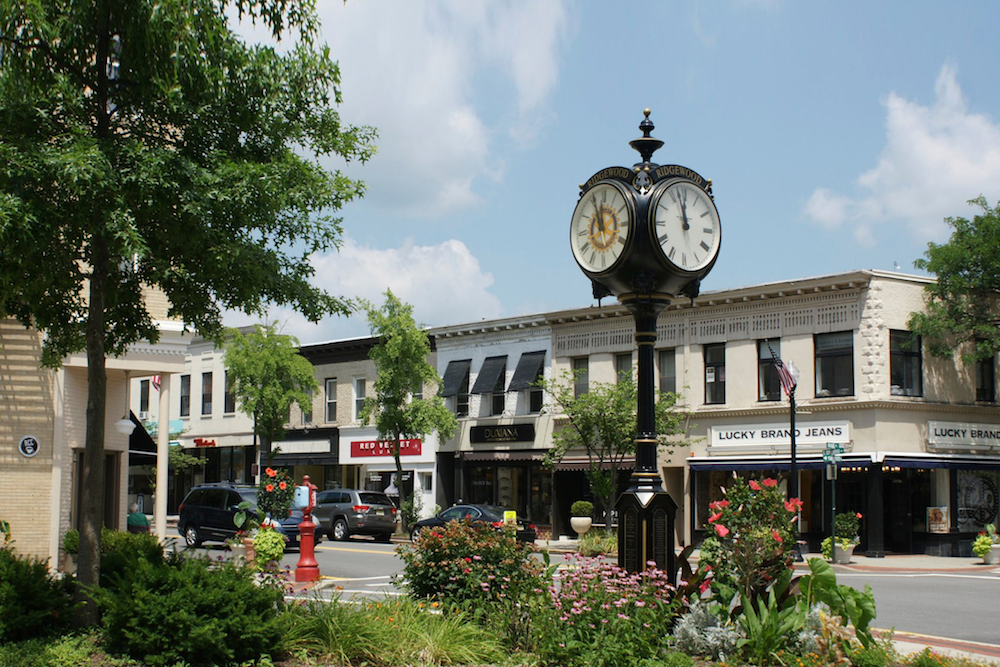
[[345, 512], [487, 513], [208, 510]]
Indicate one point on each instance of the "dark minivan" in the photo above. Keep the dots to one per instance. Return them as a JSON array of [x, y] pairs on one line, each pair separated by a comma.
[[208, 510]]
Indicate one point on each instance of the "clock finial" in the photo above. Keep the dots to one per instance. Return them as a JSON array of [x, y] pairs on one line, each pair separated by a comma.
[[646, 145]]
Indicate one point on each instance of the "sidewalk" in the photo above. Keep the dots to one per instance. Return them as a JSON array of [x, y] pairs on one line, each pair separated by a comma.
[[905, 642]]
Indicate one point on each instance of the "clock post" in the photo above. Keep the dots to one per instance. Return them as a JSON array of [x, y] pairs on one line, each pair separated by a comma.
[[646, 235]]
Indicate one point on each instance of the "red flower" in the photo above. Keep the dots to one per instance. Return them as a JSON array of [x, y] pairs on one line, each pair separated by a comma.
[[269, 488], [859, 515], [282, 485], [718, 505], [721, 530], [271, 472], [777, 537], [754, 485], [793, 504], [770, 482], [704, 586], [714, 517]]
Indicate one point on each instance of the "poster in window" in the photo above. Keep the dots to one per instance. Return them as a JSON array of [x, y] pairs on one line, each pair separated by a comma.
[[710, 375], [937, 520]]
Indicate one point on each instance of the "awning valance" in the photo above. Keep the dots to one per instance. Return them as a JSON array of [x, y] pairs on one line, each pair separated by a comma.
[[454, 376], [490, 374], [506, 455], [771, 462], [527, 370]]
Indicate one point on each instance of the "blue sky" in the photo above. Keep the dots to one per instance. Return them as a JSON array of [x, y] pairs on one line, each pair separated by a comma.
[[838, 136]]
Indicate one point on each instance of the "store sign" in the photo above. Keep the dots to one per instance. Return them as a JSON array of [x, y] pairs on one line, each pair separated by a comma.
[[365, 448], [964, 435], [509, 433], [204, 442], [818, 433], [28, 446]]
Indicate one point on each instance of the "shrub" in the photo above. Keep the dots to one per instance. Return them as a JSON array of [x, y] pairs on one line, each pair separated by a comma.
[[193, 611], [871, 656], [71, 542], [121, 551], [598, 543], [269, 545], [33, 603], [928, 658], [582, 508], [846, 525], [705, 631]]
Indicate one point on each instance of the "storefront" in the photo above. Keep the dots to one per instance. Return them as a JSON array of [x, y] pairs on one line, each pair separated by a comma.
[[313, 452], [375, 465]]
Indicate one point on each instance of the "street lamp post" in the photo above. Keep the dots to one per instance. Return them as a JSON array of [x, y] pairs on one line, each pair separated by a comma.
[[793, 468]]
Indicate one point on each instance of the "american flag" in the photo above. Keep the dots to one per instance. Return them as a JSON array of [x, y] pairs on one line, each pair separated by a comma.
[[156, 382], [784, 376]]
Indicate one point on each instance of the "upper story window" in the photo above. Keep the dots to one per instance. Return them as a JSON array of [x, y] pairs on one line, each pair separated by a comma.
[[985, 381], [768, 382], [715, 373], [491, 381], [206, 393], [331, 399], [417, 394], [144, 396], [834, 364], [185, 395], [667, 362], [905, 374], [307, 408], [623, 366], [455, 386], [581, 376], [530, 369], [230, 396], [359, 397]]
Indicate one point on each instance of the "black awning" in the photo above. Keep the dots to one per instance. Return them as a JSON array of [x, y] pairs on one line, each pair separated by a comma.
[[324, 459], [956, 462], [454, 375], [489, 374], [527, 370], [771, 463]]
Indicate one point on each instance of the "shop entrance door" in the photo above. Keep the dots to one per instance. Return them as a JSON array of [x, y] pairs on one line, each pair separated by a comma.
[[898, 517]]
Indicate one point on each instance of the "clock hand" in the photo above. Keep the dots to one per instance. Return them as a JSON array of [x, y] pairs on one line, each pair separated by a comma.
[[680, 197]]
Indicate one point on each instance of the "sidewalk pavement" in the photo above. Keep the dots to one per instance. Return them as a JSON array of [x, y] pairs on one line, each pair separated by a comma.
[[905, 642]]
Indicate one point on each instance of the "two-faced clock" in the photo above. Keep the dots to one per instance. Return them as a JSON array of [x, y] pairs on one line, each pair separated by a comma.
[[601, 227], [685, 226]]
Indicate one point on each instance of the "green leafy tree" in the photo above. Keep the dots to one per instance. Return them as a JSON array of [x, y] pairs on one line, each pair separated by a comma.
[[268, 375], [145, 145], [963, 308], [602, 423], [400, 358]]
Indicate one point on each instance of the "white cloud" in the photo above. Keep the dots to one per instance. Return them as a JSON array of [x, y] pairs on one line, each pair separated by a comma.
[[935, 159], [444, 283], [413, 69]]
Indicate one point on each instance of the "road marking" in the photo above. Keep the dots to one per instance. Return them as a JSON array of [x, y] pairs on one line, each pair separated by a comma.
[[384, 576], [356, 551]]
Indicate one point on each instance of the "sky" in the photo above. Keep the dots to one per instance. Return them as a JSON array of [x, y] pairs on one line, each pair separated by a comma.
[[838, 136]]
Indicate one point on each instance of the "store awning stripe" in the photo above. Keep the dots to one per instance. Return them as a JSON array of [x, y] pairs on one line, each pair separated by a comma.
[[489, 374], [454, 375], [527, 370]]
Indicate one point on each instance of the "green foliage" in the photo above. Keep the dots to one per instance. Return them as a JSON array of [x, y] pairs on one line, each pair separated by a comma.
[[869, 656], [962, 302], [65, 651], [193, 611], [269, 545], [274, 497], [581, 508], [849, 604], [826, 546], [754, 537], [268, 375], [846, 525], [5, 529], [122, 551], [71, 542], [400, 358], [597, 542], [929, 658], [602, 423], [469, 562], [985, 540], [770, 627], [410, 508], [248, 518], [706, 630], [33, 603]]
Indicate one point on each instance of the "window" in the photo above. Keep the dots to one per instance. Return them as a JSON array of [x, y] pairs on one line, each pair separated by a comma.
[[623, 366], [499, 397], [905, 376], [206, 393], [462, 397], [768, 382], [715, 373], [667, 361], [144, 396], [985, 381], [456, 385], [529, 371], [359, 397], [307, 408], [185, 395], [331, 399], [834, 364], [229, 398], [492, 380], [581, 376]]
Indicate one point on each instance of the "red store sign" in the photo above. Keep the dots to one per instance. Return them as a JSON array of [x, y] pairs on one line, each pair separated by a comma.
[[384, 447]]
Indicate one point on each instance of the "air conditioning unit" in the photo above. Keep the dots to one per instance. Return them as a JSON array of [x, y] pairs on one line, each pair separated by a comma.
[[144, 416]]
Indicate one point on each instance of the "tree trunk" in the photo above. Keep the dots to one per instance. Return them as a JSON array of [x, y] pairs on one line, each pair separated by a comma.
[[399, 484]]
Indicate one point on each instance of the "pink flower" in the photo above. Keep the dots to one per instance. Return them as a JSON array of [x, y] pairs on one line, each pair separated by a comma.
[[721, 530], [859, 515], [754, 485], [770, 482], [704, 586], [793, 505], [777, 537], [714, 517]]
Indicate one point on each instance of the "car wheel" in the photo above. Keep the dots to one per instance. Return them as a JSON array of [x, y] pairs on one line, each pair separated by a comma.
[[340, 530], [192, 537], [383, 537], [415, 533]]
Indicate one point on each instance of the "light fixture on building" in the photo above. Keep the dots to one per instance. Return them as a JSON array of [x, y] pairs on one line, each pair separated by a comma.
[[125, 425]]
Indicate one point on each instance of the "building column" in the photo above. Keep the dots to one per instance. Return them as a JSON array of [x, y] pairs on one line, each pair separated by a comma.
[[162, 460], [876, 508]]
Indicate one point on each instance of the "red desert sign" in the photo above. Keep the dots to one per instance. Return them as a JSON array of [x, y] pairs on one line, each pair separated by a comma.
[[384, 447]]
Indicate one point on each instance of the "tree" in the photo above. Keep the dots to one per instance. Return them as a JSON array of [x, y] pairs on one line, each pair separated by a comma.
[[400, 358], [602, 423], [268, 375], [963, 305], [146, 146]]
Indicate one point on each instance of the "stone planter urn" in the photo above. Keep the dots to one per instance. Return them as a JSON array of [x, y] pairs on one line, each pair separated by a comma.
[[239, 552], [581, 524], [843, 555], [993, 556]]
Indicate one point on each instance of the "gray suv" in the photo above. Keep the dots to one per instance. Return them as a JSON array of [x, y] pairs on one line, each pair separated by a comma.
[[345, 512]]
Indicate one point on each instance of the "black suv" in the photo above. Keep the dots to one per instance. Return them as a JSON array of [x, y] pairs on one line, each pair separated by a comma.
[[208, 510]]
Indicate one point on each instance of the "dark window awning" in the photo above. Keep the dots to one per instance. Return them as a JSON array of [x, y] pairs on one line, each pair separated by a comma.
[[584, 463], [489, 374], [957, 462], [325, 459], [772, 462], [454, 375], [506, 455], [527, 370]]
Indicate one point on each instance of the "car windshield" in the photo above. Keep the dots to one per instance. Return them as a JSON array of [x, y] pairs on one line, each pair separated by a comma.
[[249, 494], [374, 499]]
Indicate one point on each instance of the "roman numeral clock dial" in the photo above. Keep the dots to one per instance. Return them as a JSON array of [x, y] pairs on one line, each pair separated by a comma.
[[600, 229], [686, 226]]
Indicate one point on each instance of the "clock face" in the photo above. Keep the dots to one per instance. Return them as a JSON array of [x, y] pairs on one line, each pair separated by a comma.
[[600, 228], [686, 226]]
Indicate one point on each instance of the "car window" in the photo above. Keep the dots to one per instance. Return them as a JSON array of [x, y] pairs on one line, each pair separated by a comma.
[[249, 494], [325, 497], [375, 499], [214, 498], [453, 513], [233, 499], [194, 498], [474, 513]]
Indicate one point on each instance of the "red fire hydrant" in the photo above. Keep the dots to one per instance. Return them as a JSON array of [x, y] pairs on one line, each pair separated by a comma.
[[307, 568]]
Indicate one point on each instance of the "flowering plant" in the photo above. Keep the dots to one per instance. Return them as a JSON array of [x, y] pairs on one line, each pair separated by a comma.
[[846, 525], [985, 540], [754, 535], [274, 496]]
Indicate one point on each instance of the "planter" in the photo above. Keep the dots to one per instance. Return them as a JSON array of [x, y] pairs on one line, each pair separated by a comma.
[[239, 552], [69, 563], [581, 524], [993, 556], [843, 555]]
